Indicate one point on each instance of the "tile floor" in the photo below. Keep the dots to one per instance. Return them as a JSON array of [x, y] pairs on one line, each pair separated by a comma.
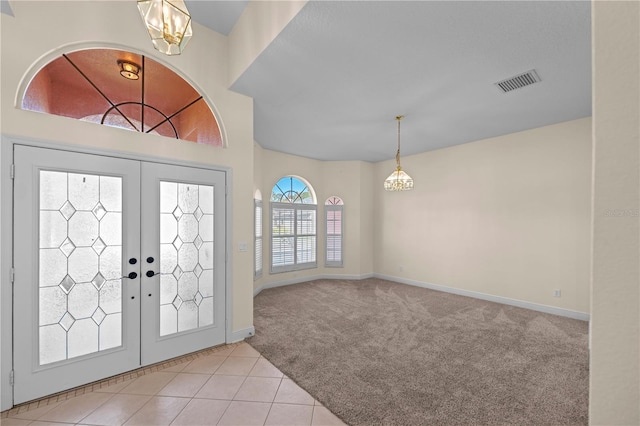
[[235, 386]]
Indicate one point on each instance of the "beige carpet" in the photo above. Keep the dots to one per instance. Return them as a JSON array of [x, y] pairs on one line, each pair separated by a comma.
[[381, 353]]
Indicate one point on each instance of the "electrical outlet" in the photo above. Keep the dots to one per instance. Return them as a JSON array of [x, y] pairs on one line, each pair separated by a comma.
[[557, 293]]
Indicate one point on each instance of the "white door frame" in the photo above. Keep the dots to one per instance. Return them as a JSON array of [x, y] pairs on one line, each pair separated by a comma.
[[7, 143]]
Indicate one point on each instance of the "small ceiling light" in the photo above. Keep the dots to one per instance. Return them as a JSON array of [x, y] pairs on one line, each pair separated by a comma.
[[398, 180], [129, 70], [168, 23]]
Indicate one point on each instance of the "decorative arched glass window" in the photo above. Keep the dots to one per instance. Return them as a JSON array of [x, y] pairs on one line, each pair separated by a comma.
[[293, 225], [257, 234], [122, 89], [334, 219]]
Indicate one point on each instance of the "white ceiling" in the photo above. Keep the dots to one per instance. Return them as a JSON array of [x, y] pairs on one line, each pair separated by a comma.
[[218, 15], [330, 85]]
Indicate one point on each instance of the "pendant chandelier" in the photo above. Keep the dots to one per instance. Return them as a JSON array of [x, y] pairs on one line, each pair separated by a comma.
[[398, 180], [168, 23]]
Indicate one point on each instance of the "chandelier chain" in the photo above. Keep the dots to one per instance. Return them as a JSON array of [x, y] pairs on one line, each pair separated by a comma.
[[398, 180], [399, 117]]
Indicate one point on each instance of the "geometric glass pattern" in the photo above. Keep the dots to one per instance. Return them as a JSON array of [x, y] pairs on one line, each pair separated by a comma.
[[98, 316], [99, 211], [98, 281], [80, 231], [67, 284], [67, 210], [99, 246], [66, 321], [198, 270], [186, 234], [177, 272], [198, 298], [198, 242], [67, 247]]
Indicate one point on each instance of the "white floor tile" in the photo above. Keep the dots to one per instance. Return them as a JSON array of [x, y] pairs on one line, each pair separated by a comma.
[[235, 386], [245, 414], [159, 411], [221, 387], [201, 412], [290, 393], [75, 409], [258, 389], [289, 415]]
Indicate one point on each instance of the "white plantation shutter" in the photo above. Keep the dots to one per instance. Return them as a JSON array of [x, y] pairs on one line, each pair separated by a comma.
[[293, 225], [258, 239], [293, 237], [334, 235], [306, 234], [282, 235]]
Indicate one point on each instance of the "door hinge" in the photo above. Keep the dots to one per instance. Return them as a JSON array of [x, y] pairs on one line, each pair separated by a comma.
[[12, 171], [12, 378], [12, 274]]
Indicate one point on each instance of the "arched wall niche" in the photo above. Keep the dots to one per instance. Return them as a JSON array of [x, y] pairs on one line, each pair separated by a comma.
[[86, 83]]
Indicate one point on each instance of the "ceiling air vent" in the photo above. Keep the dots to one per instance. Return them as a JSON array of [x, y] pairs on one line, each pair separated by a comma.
[[518, 81]]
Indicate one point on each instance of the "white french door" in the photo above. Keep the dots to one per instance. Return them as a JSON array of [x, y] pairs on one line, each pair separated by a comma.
[[183, 260], [118, 264]]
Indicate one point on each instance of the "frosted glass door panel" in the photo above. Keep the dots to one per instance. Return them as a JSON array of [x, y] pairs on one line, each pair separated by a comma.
[[183, 302], [78, 221], [118, 263], [186, 257], [80, 265]]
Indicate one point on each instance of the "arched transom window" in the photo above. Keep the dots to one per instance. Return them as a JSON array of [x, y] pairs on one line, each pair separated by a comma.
[[122, 89], [291, 189], [293, 225], [334, 201]]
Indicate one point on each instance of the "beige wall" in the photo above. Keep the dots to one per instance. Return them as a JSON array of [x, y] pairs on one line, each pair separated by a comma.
[[367, 218], [349, 180], [507, 216], [44, 27], [615, 290]]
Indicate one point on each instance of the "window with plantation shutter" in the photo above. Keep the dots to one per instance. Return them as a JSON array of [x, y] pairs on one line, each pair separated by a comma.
[[293, 226], [257, 238], [334, 219]]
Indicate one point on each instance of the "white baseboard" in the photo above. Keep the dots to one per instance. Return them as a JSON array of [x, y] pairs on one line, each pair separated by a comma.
[[491, 298], [239, 335], [310, 278]]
